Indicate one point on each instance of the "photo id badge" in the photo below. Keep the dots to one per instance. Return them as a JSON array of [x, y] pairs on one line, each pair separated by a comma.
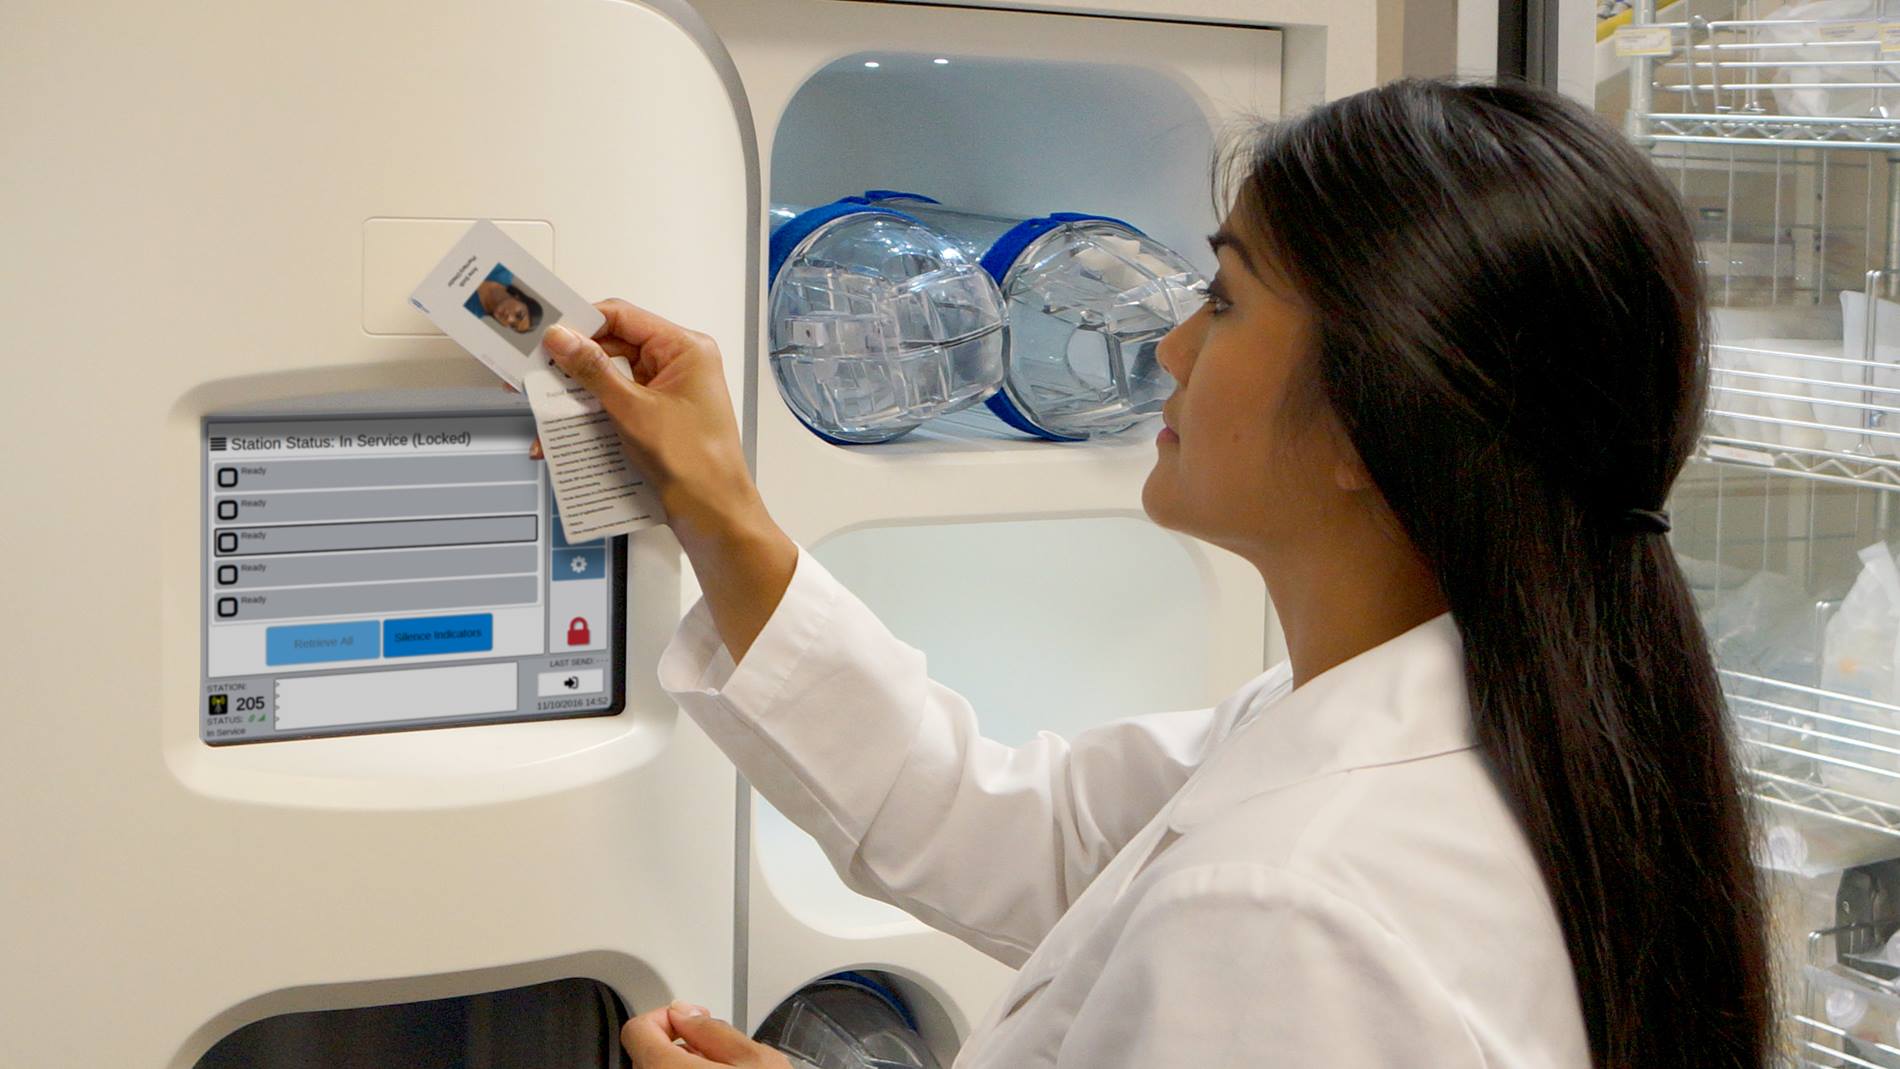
[[497, 301]]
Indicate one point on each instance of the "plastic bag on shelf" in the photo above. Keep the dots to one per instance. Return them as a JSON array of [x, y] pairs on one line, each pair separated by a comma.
[[1792, 24], [1805, 410], [1730, 411], [1766, 625], [1772, 369], [1858, 661]]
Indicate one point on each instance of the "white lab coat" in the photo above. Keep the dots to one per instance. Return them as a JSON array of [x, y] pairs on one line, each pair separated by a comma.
[[1325, 876]]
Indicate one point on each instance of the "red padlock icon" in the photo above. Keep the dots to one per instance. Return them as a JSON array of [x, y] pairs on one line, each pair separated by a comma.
[[577, 633]]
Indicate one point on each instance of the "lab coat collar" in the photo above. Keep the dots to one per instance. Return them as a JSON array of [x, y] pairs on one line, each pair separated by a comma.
[[1401, 700]]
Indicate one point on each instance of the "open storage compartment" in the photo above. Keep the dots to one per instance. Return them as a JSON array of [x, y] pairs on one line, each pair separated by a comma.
[[1006, 136], [562, 1024], [1085, 311]]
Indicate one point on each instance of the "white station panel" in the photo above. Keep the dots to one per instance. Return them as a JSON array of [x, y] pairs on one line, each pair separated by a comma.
[[216, 211]]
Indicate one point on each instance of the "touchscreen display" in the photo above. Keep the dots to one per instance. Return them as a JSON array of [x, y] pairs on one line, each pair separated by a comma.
[[392, 572]]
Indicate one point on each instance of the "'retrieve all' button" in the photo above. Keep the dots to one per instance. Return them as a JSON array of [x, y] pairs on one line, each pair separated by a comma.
[[429, 635], [353, 640]]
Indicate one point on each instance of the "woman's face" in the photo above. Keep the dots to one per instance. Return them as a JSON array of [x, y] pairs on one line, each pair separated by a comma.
[[513, 314], [1237, 465]]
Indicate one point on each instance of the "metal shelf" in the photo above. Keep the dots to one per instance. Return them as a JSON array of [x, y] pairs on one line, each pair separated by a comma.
[[1814, 1041], [1801, 409], [1816, 801], [1830, 756], [1819, 1045], [1730, 81], [1780, 131], [1880, 473]]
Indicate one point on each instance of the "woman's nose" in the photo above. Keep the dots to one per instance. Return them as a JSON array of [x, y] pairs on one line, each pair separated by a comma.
[[1174, 352]]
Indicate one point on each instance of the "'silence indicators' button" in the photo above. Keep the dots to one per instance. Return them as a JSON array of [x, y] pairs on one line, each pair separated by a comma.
[[315, 643], [429, 635]]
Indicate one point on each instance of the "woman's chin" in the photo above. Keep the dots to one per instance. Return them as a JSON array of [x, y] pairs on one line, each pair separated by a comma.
[[1154, 496]]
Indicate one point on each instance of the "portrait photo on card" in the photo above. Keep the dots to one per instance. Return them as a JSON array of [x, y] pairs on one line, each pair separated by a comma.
[[511, 309]]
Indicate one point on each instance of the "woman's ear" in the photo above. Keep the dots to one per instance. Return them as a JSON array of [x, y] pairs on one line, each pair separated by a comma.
[[1350, 474]]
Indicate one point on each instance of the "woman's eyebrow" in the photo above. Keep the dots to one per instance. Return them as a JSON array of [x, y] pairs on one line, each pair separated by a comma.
[[1227, 239]]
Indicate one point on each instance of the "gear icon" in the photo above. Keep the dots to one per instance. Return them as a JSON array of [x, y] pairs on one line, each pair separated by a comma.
[[578, 565]]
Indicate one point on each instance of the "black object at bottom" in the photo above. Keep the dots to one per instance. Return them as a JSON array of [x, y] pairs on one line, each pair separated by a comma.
[[564, 1024]]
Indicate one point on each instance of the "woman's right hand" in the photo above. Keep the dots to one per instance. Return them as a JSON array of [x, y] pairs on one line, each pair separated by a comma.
[[675, 417], [683, 1036]]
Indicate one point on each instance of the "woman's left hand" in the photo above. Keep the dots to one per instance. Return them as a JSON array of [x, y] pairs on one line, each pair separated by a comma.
[[653, 1040]]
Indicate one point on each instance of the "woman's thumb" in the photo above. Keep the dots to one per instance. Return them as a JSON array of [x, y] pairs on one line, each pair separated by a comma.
[[712, 1038], [585, 361]]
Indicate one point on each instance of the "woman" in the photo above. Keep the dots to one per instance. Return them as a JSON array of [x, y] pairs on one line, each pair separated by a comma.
[[500, 299], [1484, 816]]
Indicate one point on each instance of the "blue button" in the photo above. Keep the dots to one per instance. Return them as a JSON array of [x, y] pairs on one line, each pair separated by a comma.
[[427, 635], [578, 564], [314, 643]]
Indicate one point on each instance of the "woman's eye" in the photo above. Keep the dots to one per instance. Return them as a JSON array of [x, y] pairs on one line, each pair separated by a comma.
[[1217, 302]]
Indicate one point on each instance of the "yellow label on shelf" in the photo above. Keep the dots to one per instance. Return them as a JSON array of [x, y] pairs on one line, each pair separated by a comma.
[[1644, 41], [1848, 31], [1737, 455], [1889, 36]]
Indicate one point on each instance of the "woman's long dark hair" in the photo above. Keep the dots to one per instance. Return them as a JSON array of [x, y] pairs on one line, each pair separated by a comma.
[[1510, 327]]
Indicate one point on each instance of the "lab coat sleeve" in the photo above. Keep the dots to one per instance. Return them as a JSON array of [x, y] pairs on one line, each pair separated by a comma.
[[837, 723], [1251, 965]]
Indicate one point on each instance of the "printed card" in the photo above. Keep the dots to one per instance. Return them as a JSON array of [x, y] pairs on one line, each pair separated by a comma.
[[497, 301], [600, 493]]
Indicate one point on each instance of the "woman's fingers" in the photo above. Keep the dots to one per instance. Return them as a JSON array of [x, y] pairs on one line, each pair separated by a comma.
[[634, 325], [589, 365], [653, 343], [652, 1040], [649, 1042], [534, 448], [715, 1039]]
